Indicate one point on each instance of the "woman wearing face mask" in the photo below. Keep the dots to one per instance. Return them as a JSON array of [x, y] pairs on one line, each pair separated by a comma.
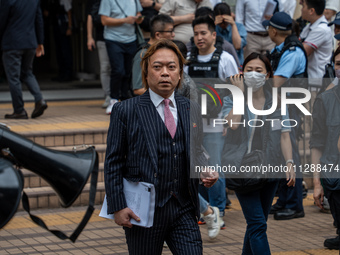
[[244, 138]]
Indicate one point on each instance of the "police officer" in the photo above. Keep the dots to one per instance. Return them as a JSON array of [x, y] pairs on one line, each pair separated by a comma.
[[289, 62]]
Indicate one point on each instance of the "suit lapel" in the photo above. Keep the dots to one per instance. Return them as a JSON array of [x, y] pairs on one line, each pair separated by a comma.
[[147, 113], [183, 110]]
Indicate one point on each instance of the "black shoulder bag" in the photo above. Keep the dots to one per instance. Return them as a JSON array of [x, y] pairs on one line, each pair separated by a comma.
[[251, 181]]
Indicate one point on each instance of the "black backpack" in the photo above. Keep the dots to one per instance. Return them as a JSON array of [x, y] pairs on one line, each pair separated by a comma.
[[94, 12]]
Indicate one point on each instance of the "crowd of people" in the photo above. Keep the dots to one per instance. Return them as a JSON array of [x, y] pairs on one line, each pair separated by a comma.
[[185, 48]]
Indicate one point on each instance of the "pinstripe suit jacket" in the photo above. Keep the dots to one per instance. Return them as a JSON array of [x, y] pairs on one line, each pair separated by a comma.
[[132, 149]]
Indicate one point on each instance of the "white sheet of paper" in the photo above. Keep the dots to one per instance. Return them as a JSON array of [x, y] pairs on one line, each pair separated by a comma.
[[269, 9], [140, 198]]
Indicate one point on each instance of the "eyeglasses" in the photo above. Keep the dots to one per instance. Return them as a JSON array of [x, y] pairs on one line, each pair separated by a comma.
[[170, 31]]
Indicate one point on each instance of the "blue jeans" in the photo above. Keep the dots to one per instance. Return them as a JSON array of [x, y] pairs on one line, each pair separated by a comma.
[[256, 206], [121, 56], [203, 204], [18, 67], [216, 195]]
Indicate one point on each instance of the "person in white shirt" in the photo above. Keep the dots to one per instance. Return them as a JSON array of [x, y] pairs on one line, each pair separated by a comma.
[[214, 2], [204, 39], [287, 6], [250, 14], [183, 13], [317, 40], [207, 61], [331, 8]]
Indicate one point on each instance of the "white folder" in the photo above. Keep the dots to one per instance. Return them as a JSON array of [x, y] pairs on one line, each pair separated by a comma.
[[140, 198], [269, 9]]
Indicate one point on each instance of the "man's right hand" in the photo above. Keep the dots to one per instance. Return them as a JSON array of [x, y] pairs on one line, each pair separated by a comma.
[[122, 217], [90, 44], [40, 51], [237, 80], [318, 195]]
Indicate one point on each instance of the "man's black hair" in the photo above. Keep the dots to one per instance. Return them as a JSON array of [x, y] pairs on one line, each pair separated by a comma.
[[222, 9], [318, 5], [203, 11], [158, 22], [205, 20]]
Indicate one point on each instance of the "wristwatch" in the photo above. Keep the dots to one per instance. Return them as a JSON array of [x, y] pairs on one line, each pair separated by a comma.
[[290, 161]]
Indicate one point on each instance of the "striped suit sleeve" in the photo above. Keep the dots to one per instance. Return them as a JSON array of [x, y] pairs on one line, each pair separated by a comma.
[[115, 160]]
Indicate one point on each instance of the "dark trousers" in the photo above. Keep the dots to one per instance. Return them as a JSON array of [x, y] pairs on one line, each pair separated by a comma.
[[121, 56], [291, 197], [334, 203], [256, 206], [64, 53], [172, 223], [18, 67]]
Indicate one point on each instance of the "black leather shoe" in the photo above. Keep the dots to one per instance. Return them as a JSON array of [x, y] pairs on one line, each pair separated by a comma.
[[287, 214], [39, 109], [275, 208], [332, 243], [22, 115]]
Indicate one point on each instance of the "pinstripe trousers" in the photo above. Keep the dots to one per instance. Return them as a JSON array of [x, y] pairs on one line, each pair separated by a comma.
[[172, 223]]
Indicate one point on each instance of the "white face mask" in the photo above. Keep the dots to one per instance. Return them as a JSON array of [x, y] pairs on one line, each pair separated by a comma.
[[337, 73], [254, 79]]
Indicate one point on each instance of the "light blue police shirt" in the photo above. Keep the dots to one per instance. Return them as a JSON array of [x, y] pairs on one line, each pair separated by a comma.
[[292, 62]]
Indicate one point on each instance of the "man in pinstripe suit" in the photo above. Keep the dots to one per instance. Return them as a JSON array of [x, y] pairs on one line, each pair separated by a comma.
[[141, 146]]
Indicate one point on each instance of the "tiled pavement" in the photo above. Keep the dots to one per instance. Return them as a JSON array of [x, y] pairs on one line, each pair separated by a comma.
[[59, 116], [20, 236], [101, 236]]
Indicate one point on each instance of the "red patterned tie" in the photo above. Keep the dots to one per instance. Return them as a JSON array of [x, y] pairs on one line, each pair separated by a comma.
[[169, 119]]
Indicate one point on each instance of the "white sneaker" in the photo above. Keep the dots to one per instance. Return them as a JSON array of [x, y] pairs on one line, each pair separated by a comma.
[[213, 223], [106, 102], [326, 205], [109, 108]]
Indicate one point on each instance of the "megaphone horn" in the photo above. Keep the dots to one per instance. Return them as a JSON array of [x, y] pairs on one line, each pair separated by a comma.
[[66, 172], [11, 185]]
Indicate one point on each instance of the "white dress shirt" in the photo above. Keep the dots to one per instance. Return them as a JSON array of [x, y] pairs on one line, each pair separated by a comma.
[[249, 13], [158, 102]]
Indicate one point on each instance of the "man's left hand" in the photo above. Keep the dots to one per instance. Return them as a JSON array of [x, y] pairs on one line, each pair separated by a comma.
[[209, 178]]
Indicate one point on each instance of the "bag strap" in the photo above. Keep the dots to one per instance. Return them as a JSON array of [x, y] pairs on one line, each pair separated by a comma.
[[61, 235], [121, 9]]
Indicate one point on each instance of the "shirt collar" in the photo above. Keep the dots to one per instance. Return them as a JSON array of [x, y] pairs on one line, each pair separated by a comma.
[[157, 99], [318, 21], [223, 31], [278, 48]]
